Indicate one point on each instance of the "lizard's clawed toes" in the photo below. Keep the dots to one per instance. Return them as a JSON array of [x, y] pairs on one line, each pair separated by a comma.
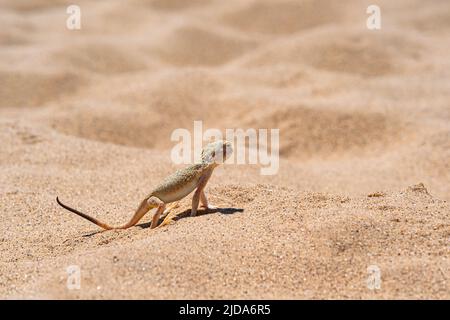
[[168, 219]]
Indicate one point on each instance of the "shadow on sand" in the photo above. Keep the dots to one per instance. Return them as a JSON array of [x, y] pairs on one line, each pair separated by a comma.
[[201, 212], [182, 215]]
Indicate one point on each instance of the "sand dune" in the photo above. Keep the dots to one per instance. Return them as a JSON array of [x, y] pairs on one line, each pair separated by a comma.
[[34, 89], [345, 51], [363, 115], [190, 46], [99, 59], [28, 6], [284, 17], [174, 5], [312, 132]]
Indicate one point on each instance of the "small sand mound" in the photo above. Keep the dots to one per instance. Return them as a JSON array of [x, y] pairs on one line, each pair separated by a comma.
[[192, 46], [34, 89], [284, 17], [418, 188], [100, 58]]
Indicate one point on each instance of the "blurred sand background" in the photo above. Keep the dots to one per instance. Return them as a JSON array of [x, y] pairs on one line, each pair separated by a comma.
[[363, 118]]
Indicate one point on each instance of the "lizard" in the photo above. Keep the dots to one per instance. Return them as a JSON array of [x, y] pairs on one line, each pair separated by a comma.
[[174, 188]]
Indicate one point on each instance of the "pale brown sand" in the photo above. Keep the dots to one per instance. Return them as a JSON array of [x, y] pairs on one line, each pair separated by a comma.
[[87, 115]]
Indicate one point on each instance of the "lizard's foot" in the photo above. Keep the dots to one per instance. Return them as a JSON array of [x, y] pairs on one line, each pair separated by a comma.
[[168, 219], [168, 214], [169, 208], [209, 207]]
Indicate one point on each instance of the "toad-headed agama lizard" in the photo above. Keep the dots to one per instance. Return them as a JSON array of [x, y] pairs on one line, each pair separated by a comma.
[[175, 187]]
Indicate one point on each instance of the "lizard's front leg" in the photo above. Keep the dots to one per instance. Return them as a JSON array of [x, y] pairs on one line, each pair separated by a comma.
[[198, 193], [204, 201], [195, 201]]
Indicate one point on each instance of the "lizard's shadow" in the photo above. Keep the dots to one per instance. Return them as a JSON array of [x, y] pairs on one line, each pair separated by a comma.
[[201, 212], [182, 215]]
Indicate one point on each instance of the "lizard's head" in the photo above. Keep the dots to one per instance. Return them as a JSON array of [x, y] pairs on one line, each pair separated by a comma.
[[217, 152]]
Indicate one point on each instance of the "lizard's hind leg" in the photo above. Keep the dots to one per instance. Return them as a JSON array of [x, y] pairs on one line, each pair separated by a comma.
[[160, 209], [145, 206]]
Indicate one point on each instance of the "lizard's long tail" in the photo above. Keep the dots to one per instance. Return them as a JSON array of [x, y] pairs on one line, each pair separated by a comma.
[[144, 207]]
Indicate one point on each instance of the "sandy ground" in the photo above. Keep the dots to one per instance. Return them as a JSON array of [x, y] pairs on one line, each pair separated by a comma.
[[364, 135]]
